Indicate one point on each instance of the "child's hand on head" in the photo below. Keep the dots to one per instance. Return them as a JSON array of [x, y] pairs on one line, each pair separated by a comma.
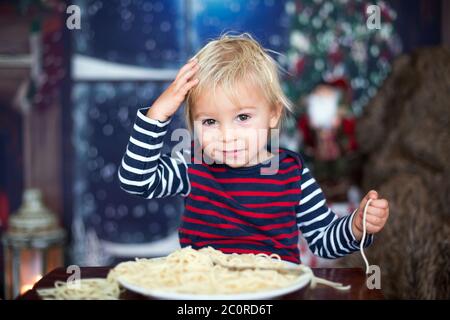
[[171, 99], [376, 216]]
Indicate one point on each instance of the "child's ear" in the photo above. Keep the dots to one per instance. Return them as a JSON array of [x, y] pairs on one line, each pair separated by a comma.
[[275, 115]]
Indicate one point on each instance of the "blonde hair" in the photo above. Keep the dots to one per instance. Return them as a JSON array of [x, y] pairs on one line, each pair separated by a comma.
[[232, 58]]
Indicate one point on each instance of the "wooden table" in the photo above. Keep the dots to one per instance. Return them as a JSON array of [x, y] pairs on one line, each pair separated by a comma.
[[353, 276]]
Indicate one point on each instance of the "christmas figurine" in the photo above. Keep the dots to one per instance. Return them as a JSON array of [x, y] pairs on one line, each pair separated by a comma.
[[328, 130]]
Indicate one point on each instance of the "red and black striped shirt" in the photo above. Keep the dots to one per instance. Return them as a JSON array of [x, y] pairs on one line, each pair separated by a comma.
[[242, 210]]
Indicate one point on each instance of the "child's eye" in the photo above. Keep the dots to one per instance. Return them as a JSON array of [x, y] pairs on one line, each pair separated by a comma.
[[243, 117], [208, 122]]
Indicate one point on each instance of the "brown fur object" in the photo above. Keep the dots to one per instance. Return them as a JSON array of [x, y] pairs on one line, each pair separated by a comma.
[[405, 138]]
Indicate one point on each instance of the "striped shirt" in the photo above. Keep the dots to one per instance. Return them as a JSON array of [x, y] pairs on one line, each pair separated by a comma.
[[236, 210]]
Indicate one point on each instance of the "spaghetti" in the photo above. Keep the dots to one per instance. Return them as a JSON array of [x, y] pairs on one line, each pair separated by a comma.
[[363, 239], [204, 271], [85, 289]]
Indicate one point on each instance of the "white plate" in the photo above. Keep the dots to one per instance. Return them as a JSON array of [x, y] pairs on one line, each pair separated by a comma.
[[301, 282]]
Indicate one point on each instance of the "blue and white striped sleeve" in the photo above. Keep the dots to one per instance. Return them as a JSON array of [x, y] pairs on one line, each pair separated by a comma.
[[328, 236], [144, 171]]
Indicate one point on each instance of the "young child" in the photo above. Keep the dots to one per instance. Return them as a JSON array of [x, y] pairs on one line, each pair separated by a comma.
[[233, 102]]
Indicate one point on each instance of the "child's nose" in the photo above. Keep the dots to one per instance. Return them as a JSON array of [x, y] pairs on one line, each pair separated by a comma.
[[228, 134]]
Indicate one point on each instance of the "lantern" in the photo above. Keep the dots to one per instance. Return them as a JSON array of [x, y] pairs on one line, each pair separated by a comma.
[[33, 245]]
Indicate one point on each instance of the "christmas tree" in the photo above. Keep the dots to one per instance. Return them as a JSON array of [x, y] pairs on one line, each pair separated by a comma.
[[331, 39]]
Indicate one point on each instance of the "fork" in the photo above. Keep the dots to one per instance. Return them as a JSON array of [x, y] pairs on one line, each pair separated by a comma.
[[295, 269]]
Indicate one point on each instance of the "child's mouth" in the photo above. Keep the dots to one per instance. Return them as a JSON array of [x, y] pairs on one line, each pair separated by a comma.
[[231, 153]]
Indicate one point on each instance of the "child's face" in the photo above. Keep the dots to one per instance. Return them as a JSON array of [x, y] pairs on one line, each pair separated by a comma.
[[235, 134]]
